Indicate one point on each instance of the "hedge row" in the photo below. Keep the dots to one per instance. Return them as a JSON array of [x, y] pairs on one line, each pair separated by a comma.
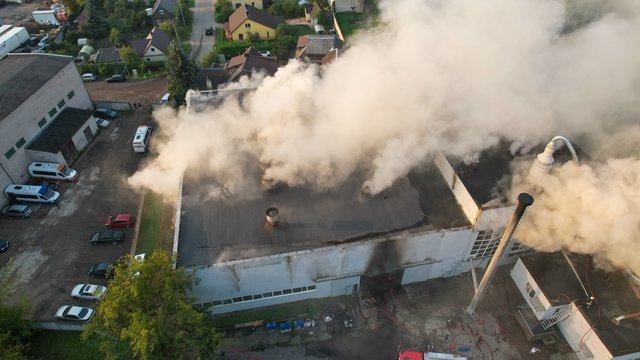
[[108, 69]]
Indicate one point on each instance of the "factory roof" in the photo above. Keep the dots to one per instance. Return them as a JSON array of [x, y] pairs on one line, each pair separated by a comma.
[[23, 74], [53, 138], [214, 230], [615, 294]]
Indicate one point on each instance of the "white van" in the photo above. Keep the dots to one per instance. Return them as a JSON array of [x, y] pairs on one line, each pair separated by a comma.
[[30, 193], [141, 138], [52, 171]]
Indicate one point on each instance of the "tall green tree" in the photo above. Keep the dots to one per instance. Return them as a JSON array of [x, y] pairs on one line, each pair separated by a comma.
[[209, 59], [115, 35], [181, 72], [148, 310], [96, 26], [130, 57], [222, 10]]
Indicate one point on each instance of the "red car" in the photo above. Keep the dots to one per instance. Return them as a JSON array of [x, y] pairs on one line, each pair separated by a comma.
[[119, 221]]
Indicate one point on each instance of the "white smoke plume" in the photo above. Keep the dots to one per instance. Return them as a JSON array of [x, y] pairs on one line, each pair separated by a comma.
[[455, 75]]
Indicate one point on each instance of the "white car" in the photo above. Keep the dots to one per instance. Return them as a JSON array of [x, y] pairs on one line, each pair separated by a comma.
[[74, 313], [89, 77], [88, 291], [265, 53], [102, 123]]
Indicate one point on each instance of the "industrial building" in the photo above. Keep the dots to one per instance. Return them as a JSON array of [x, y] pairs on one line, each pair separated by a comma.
[[44, 114]]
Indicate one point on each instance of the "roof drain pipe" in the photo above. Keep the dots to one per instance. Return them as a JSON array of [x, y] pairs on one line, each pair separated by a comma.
[[524, 200]]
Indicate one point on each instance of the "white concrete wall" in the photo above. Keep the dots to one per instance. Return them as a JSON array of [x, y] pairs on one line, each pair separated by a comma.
[[462, 195], [574, 329], [154, 54], [521, 277], [333, 270], [47, 157], [80, 139], [23, 121]]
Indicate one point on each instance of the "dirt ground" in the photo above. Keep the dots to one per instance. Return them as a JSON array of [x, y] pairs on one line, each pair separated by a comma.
[[424, 317], [144, 91], [12, 13]]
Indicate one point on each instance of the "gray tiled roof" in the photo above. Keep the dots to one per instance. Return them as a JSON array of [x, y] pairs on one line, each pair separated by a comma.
[[23, 74], [106, 55]]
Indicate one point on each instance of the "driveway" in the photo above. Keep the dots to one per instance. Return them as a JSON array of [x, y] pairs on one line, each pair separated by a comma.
[[143, 91], [50, 251], [202, 19]]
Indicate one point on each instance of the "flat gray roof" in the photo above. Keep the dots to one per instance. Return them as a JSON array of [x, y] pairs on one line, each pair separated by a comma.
[[613, 292], [23, 74], [59, 131], [215, 230]]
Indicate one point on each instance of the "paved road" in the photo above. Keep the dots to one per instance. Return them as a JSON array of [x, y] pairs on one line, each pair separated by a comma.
[[202, 19]]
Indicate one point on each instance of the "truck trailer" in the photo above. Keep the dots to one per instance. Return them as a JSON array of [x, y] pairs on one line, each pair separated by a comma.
[[46, 17], [12, 40], [416, 355]]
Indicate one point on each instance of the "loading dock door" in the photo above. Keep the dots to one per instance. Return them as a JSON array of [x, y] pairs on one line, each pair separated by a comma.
[[88, 134], [69, 151]]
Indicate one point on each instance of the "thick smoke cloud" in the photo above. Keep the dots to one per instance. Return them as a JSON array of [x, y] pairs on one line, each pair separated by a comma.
[[455, 75]]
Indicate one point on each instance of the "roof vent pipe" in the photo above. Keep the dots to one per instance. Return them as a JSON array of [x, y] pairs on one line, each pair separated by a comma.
[[272, 216], [524, 200]]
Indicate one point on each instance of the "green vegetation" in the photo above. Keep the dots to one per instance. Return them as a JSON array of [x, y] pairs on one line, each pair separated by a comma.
[[55, 344], [287, 38], [222, 10], [181, 72], [305, 308], [15, 324], [147, 311], [150, 223], [209, 59], [108, 69], [350, 22], [286, 9]]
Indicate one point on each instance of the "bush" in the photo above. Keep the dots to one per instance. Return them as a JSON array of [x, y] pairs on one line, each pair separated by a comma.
[[222, 10], [231, 49], [108, 69], [286, 8]]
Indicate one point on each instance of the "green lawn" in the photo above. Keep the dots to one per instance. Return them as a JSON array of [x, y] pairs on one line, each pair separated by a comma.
[[150, 223], [53, 344], [350, 22], [307, 308]]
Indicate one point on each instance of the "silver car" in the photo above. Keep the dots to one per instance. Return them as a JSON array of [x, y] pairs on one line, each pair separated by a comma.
[[74, 313], [88, 291], [22, 211]]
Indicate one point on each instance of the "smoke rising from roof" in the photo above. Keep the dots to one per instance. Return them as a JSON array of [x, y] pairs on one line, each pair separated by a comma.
[[454, 75]]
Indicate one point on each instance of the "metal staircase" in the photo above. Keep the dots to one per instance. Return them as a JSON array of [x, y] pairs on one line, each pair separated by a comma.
[[559, 315]]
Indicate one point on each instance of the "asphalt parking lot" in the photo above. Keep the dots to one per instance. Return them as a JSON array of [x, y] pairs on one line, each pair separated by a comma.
[[50, 251]]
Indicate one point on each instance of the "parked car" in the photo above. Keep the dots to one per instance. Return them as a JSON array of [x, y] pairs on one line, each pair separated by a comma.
[[4, 245], [102, 123], [115, 78], [104, 270], [74, 313], [89, 77], [119, 221], [34, 40], [209, 31], [105, 114], [107, 236], [16, 210], [265, 53], [88, 291]]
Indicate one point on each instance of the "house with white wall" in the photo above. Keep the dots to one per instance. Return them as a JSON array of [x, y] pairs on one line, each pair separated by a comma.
[[37, 94]]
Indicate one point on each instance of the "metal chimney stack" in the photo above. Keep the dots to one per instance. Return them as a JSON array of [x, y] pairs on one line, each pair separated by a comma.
[[273, 216], [524, 200]]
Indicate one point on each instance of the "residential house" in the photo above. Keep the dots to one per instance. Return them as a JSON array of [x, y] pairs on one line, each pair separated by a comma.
[[247, 20], [163, 10], [314, 48], [154, 47], [45, 114], [311, 13], [211, 78], [249, 62], [255, 3], [596, 310]]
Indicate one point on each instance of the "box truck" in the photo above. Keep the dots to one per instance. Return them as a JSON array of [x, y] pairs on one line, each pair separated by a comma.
[[45, 17], [12, 40]]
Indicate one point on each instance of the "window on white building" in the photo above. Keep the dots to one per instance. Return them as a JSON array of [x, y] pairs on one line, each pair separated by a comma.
[[20, 143], [10, 153], [42, 122], [71, 94]]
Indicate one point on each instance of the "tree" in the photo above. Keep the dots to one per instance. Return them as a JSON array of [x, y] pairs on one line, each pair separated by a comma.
[[130, 57], [115, 36], [180, 72], [96, 26], [167, 27], [286, 8], [254, 38], [324, 20], [209, 58], [148, 310], [222, 10], [285, 42]]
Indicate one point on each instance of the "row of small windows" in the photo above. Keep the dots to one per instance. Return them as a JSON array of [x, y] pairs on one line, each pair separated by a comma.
[[260, 296], [487, 243], [41, 124]]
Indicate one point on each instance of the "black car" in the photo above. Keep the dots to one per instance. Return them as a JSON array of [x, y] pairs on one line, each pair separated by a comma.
[[34, 40], [107, 236], [4, 245], [115, 78], [104, 270], [208, 31]]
